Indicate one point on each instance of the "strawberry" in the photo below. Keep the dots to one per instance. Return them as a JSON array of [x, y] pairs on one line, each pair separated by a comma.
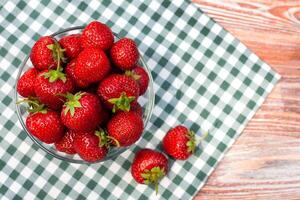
[[71, 44], [25, 86], [50, 86], [105, 116], [149, 167], [91, 146], [65, 144], [45, 53], [81, 112], [70, 72], [179, 142], [140, 75], [124, 54], [118, 92], [43, 123], [98, 35], [92, 65], [125, 127]]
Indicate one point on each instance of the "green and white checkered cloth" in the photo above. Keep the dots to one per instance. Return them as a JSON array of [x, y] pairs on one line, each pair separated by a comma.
[[203, 77]]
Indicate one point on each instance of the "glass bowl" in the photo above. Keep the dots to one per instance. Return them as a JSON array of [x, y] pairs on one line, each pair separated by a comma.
[[146, 101]]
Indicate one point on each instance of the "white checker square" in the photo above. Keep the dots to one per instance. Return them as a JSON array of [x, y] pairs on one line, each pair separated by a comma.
[[229, 121], [226, 97], [157, 28], [187, 69], [115, 167], [194, 33], [154, 5], [29, 195], [216, 29], [209, 149], [193, 115], [46, 12], [180, 23], [40, 182], [65, 177], [190, 9], [178, 192], [8, 112], [229, 38], [164, 73], [167, 14], [175, 59], [171, 120], [117, 191], [253, 58], [210, 64], [11, 28], [9, 6], [219, 51], [184, 46], [54, 192], [24, 38], [249, 93], [223, 73], [26, 172], [144, 18], [95, 4], [177, 83], [34, 4], [180, 106], [60, 21], [93, 196], [206, 42], [189, 177], [232, 60], [35, 26], [171, 37], [107, 13], [10, 137], [241, 48], [104, 182], [15, 186], [135, 31], [161, 49], [148, 40], [258, 79], [245, 70], [78, 187], [200, 78], [236, 83], [213, 87], [52, 167], [216, 111], [176, 167], [190, 92], [204, 19], [121, 22], [203, 102]]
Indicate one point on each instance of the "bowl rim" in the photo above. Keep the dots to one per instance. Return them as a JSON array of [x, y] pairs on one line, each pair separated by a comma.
[[149, 107]]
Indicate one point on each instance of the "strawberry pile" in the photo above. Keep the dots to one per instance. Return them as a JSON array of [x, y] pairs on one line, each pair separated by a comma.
[[82, 92]]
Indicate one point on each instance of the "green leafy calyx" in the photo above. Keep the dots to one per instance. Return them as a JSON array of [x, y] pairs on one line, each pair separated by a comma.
[[57, 51], [191, 144], [54, 75], [72, 103], [153, 176], [132, 74], [34, 106], [121, 103], [106, 140]]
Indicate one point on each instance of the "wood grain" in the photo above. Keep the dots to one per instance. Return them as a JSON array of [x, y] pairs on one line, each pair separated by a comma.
[[264, 163]]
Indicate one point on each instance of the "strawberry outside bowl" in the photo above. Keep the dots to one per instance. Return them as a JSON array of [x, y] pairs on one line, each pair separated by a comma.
[[146, 101]]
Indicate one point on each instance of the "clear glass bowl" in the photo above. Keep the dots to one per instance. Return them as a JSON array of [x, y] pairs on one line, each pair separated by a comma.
[[146, 101]]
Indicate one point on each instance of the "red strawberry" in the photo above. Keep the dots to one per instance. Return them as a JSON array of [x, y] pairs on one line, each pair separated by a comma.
[[140, 75], [137, 108], [125, 127], [98, 35], [149, 167], [81, 112], [118, 92], [124, 54], [49, 87], [92, 65], [65, 144], [45, 125], [70, 72], [91, 146], [45, 53], [25, 86], [179, 142], [105, 116], [71, 44]]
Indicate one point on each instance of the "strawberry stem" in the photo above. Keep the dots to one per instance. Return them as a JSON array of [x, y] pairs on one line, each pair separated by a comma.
[[121, 103], [34, 106], [153, 176], [132, 74], [191, 144], [73, 102]]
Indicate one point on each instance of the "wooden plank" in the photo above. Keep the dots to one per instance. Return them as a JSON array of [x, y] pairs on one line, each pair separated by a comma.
[[264, 163]]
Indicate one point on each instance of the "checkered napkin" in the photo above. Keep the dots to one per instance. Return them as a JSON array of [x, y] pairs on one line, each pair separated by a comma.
[[203, 78]]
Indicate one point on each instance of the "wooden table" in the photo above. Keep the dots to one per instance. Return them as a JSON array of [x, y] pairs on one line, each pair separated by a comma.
[[264, 163]]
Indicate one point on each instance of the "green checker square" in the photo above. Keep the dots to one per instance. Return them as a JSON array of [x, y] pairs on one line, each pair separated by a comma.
[[251, 104], [204, 113], [166, 4], [269, 77], [17, 197], [27, 184], [23, 27], [175, 71], [208, 53], [106, 3], [146, 30], [260, 91], [72, 19], [163, 61], [186, 57], [211, 161], [173, 47], [234, 71], [230, 49], [192, 21], [218, 123], [247, 81], [10, 17], [169, 26], [169, 108], [3, 189], [8, 125], [158, 122], [2, 164], [41, 194], [7, 100], [167, 194], [82, 6], [3, 52], [241, 118], [224, 85], [14, 174], [39, 170], [142, 7], [237, 95], [53, 179], [155, 17], [119, 11], [201, 175], [187, 166], [143, 197], [133, 20], [25, 160], [1, 29], [227, 109], [80, 196], [243, 59], [221, 147], [21, 5], [212, 76], [179, 94], [66, 189], [64, 165], [201, 90], [205, 31], [195, 44], [5, 76], [182, 118], [126, 165], [96, 15], [129, 189], [231, 132], [191, 190], [218, 40], [195, 127], [48, 23], [177, 180], [182, 35], [159, 39], [26, 49], [34, 14], [16, 62], [12, 39], [58, 10], [255, 68], [166, 86], [105, 194], [192, 104], [77, 175], [179, 12], [221, 62], [214, 99]]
